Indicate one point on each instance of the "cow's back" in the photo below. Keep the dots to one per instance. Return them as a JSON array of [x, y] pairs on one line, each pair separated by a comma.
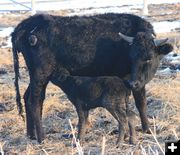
[[85, 45], [90, 45]]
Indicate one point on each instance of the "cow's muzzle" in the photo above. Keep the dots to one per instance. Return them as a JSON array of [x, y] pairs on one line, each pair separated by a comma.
[[134, 85]]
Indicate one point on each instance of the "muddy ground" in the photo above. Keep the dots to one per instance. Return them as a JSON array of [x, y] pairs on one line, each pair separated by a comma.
[[163, 101]]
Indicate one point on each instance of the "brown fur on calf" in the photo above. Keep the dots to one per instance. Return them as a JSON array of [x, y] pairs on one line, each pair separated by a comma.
[[91, 92]]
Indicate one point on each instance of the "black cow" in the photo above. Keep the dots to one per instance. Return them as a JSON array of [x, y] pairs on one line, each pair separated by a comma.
[[108, 92], [85, 46]]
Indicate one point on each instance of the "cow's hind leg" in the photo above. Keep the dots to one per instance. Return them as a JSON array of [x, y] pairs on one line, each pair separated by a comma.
[[140, 100], [29, 119], [38, 88]]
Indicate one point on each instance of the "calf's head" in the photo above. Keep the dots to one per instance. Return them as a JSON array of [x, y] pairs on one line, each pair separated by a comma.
[[145, 53]]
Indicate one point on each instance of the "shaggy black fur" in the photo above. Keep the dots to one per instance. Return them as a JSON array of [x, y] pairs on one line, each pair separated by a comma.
[[83, 46], [108, 92]]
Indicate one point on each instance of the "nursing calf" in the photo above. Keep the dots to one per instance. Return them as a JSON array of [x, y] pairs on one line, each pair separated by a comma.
[[108, 92]]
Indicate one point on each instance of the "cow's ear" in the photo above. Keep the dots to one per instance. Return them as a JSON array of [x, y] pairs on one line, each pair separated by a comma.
[[164, 49]]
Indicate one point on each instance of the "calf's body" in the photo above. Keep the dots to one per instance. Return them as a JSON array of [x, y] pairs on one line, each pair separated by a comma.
[[91, 92]]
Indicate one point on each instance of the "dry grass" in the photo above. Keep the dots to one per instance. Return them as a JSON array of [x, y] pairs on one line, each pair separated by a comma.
[[6, 58], [168, 89]]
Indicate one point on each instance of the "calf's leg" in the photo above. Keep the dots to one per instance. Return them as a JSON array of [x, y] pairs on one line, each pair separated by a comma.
[[132, 138], [83, 121], [119, 113], [87, 122]]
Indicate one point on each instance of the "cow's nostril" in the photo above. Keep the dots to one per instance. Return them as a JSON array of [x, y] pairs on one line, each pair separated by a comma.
[[128, 84], [136, 84]]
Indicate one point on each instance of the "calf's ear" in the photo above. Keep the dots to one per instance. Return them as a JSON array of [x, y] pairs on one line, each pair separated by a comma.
[[164, 49]]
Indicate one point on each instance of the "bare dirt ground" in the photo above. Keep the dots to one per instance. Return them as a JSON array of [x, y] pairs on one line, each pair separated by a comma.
[[163, 101]]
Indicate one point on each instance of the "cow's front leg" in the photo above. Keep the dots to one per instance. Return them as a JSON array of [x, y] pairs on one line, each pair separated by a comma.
[[38, 88], [140, 100]]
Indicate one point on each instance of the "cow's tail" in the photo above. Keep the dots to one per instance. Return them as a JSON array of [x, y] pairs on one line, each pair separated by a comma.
[[17, 76]]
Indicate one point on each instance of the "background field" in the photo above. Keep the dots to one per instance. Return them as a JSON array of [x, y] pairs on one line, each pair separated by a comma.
[[163, 99]]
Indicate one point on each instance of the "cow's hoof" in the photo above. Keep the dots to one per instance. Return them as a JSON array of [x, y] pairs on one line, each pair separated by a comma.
[[146, 129], [32, 137], [40, 138], [119, 144]]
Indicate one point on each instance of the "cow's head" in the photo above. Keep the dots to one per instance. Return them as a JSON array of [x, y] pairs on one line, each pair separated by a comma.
[[146, 53]]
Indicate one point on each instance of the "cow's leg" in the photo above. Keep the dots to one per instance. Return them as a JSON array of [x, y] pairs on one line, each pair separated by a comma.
[[140, 100], [83, 121], [29, 119], [38, 88]]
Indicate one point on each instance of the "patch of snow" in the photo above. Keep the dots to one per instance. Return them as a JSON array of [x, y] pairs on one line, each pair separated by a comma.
[[165, 71], [173, 59], [101, 10], [165, 26], [172, 64], [4, 32], [74, 4]]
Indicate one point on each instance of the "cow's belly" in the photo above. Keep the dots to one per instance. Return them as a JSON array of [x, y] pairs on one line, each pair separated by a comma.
[[103, 70]]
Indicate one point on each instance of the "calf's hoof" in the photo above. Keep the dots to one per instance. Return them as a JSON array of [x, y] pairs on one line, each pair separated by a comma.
[[119, 141], [119, 144], [147, 131], [132, 141], [89, 124]]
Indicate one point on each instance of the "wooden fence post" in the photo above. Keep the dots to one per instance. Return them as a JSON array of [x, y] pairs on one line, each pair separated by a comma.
[[33, 11], [145, 7]]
